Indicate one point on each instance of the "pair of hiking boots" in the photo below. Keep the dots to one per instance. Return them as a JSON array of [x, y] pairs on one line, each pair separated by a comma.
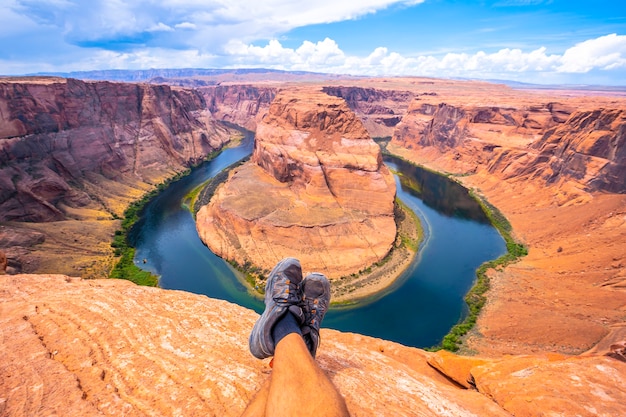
[[287, 292]]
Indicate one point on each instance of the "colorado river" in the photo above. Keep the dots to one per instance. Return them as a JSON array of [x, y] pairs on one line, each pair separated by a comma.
[[426, 301]]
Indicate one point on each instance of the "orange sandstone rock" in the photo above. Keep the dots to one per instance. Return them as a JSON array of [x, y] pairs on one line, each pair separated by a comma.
[[315, 189], [109, 347], [552, 163]]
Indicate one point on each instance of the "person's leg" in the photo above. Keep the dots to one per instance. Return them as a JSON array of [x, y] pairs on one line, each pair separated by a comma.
[[288, 329], [256, 407], [298, 386]]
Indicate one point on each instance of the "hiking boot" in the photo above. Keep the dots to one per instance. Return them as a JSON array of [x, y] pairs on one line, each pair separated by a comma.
[[282, 291], [315, 301]]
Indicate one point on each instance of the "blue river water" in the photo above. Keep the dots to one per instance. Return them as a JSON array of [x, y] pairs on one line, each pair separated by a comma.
[[418, 310]]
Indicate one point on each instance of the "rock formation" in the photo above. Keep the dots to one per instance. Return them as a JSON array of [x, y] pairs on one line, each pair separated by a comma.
[[243, 105], [77, 347], [553, 141], [69, 145], [316, 188], [379, 110]]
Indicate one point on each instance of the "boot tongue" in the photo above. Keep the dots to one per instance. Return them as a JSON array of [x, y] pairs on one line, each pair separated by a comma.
[[294, 273], [314, 289], [297, 313]]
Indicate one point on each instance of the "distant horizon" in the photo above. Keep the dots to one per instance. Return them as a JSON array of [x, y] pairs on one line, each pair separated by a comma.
[[543, 42], [85, 75]]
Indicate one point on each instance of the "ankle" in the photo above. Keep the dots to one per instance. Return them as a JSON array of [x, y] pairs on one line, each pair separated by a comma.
[[285, 326]]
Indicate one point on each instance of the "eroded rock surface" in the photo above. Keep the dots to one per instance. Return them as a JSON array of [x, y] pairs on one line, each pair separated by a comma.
[[557, 142], [74, 149], [108, 347], [3, 263], [315, 189]]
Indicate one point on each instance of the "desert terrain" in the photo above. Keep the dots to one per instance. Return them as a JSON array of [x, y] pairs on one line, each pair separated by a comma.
[[551, 337]]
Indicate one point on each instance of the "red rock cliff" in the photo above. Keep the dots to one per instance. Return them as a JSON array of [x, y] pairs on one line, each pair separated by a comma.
[[243, 105], [67, 144], [553, 141]]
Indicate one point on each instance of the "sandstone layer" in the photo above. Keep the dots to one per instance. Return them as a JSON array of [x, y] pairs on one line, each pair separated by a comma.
[[379, 110], [74, 154], [66, 142], [243, 105], [109, 347], [315, 189]]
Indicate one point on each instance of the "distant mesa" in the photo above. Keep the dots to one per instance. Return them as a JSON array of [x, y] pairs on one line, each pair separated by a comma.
[[316, 188]]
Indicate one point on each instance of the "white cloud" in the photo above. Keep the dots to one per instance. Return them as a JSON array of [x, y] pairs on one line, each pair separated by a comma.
[[217, 21], [185, 25], [160, 27], [602, 54], [606, 53]]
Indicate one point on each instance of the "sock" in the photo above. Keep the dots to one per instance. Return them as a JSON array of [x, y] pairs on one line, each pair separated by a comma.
[[286, 325]]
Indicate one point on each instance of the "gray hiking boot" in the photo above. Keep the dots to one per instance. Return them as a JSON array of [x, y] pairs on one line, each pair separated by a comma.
[[315, 301], [282, 292]]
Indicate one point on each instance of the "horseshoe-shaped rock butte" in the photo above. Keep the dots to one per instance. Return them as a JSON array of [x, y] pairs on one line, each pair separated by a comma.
[[315, 188]]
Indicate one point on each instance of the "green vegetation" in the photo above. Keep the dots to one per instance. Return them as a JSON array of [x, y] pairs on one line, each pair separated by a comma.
[[201, 195], [476, 298], [253, 275], [125, 268]]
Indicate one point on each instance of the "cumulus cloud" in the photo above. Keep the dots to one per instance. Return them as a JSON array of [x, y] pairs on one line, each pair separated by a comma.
[[216, 21], [602, 54], [605, 53]]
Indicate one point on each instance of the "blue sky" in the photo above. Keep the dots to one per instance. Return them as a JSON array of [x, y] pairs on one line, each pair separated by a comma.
[[536, 41]]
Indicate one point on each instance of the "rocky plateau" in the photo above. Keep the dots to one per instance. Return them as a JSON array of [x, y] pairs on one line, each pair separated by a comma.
[[109, 348], [315, 189]]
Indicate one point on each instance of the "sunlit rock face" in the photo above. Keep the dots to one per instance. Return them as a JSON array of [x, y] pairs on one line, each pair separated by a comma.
[[99, 347], [67, 145], [584, 148], [315, 188]]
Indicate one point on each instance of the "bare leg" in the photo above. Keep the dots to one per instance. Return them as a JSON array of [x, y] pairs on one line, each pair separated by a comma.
[[256, 407], [298, 386]]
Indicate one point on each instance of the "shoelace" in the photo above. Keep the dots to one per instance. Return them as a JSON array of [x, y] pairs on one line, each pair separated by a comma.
[[283, 297]]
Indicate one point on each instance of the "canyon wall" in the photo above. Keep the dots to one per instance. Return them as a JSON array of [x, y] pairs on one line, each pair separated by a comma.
[[555, 142], [315, 189], [69, 144], [379, 110], [243, 105], [74, 154]]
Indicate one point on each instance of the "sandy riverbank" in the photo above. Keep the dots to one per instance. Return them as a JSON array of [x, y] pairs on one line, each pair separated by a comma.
[[379, 278]]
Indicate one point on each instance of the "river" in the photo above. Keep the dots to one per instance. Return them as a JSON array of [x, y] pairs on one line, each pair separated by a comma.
[[426, 301]]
